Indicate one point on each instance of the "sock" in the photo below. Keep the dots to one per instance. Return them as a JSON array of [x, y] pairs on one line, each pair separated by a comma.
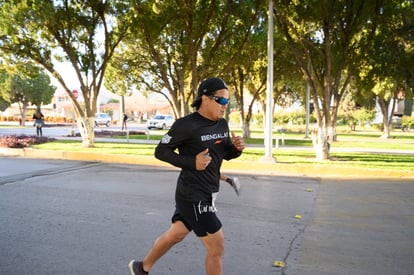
[[141, 268]]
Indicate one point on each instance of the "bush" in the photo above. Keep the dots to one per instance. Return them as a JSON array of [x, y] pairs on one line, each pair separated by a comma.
[[363, 116], [407, 122], [297, 117], [22, 141], [8, 118], [257, 120], [234, 117], [355, 117]]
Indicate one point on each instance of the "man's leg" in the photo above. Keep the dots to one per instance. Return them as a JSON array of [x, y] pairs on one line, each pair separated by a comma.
[[214, 244], [175, 234]]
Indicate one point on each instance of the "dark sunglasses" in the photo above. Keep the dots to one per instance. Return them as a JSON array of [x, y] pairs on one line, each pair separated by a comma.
[[219, 100]]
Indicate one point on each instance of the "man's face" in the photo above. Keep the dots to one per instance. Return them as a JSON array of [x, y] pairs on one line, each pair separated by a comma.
[[216, 105]]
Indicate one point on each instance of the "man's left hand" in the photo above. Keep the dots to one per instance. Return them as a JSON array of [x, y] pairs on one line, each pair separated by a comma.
[[238, 142]]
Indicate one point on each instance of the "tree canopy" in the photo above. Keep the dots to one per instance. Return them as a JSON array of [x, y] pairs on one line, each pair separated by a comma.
[[82, 33], [329, 40], [144, 45], [25, 84], [170, 53]]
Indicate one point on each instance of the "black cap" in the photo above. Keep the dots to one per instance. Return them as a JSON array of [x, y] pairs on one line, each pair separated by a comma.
[[208, 87]]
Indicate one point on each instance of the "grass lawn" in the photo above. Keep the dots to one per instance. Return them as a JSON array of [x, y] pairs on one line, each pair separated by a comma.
[[368, 139]]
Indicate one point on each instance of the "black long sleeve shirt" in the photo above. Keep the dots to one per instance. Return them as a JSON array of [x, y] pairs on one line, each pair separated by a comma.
[[187, 137]]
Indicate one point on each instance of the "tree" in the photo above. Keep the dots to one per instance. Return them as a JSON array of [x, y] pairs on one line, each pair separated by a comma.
[[172, 52], [388, 73], [247, 76], [325, 39], [4, 98], [3, 104], [118, 84], [26, 84], [82, 33]]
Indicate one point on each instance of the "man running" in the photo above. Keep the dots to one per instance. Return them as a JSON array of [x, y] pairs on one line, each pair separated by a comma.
[[203, 141]]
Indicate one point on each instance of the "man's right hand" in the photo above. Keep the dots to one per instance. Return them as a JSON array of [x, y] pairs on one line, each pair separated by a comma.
[[202, 160]]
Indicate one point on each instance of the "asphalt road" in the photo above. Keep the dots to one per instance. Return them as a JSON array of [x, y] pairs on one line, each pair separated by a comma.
[[71, 217]]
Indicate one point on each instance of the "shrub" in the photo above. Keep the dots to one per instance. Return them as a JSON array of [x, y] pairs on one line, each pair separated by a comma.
[[13, 141], [234, 117], [257, 119], [407, 122], [297, 117]]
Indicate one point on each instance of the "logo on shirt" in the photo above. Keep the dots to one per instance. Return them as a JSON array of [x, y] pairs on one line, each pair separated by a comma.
[[166, 139], [214, 136]]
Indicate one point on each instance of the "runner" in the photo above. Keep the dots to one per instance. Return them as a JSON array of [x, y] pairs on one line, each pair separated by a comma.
[[197, 144]]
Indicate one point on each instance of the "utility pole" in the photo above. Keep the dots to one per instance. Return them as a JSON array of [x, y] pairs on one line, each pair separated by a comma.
[[269, 91], [307, 108]]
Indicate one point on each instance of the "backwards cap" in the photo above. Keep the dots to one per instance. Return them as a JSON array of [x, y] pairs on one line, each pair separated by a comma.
[[208, 87]]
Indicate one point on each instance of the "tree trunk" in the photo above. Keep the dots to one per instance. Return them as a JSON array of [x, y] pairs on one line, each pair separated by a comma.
[[386, 133], [386, 118], [86, 129], [246, 129], [331, 134], [23, 114], [23, 111], [321, 143]]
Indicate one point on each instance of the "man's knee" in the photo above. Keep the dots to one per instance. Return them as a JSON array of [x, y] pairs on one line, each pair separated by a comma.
[[177, 237], [218, 249], [214, 244], [177, 232]]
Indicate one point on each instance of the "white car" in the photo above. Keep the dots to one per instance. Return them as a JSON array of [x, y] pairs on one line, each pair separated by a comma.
[[102, 119], [160, 122]]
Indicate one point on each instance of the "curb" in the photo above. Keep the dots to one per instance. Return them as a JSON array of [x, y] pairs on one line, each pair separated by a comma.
[[235, 166]]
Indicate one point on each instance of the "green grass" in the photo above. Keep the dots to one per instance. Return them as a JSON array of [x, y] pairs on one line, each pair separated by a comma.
[[367, 139], [341, 159], [289, 154], [292, 153]]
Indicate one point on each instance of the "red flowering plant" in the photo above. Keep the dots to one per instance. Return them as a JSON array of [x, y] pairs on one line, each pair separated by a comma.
[[13, 141]]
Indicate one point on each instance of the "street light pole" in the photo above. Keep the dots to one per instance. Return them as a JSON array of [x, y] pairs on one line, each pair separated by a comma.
[[269, 91], [307, 108]]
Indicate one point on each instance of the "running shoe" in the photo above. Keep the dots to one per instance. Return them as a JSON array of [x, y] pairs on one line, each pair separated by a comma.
[[234, 182], [136, 268]]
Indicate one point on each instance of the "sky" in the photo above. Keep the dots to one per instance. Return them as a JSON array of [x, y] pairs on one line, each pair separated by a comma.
[[69, 76]]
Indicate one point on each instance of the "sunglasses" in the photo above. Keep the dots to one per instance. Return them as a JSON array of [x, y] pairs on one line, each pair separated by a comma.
[[220, 100]]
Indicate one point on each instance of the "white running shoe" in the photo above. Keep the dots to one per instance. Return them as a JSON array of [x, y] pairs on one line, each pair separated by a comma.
[[234, 182]]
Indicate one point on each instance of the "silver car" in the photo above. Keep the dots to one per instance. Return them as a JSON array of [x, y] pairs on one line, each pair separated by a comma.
[[160, 122], [102, 119]]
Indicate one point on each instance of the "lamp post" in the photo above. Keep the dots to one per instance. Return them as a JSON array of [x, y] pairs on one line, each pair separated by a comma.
[[269, 91]]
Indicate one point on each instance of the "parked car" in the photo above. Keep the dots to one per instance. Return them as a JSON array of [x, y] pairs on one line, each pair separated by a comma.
[[102, 119], [160, 122]]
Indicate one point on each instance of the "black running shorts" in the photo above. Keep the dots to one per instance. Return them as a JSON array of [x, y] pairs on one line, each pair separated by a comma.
[[198, 216]]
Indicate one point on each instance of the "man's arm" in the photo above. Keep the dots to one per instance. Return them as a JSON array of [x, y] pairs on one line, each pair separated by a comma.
[[166, 150], [236, 147]]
